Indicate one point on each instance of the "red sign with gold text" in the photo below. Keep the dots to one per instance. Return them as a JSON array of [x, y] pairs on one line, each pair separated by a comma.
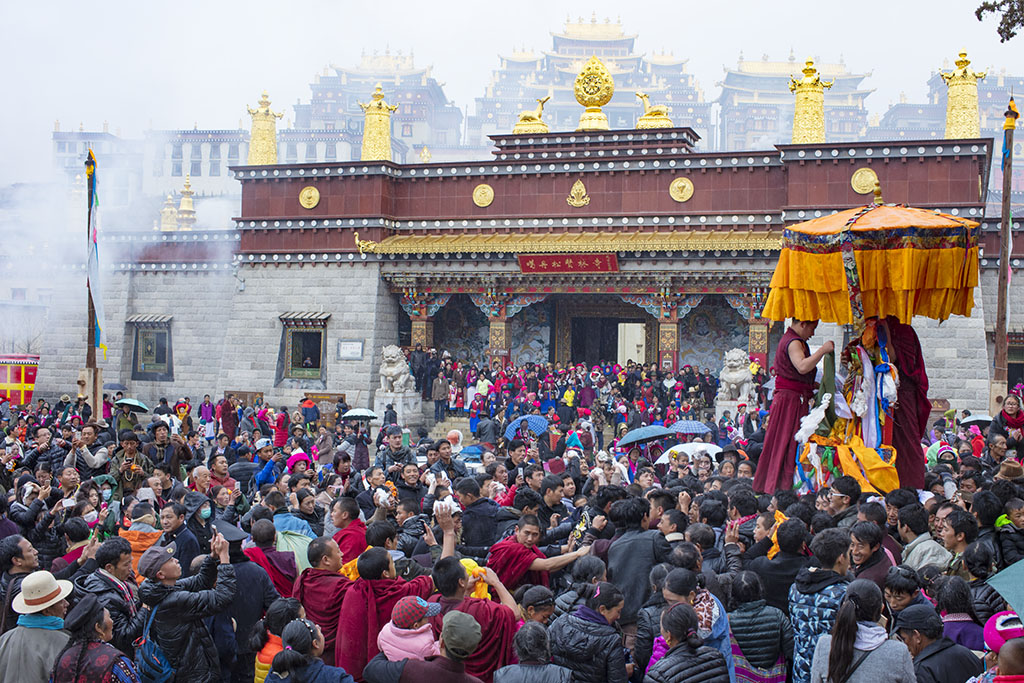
[[18, 377], [568, 263]]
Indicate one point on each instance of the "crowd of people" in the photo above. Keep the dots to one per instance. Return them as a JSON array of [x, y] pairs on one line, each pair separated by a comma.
[[226, 542]]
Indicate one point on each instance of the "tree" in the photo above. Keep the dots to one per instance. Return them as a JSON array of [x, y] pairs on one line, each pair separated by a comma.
[[1012, 18]]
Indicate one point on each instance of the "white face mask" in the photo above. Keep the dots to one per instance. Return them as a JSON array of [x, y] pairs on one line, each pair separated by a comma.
[[90, 517]]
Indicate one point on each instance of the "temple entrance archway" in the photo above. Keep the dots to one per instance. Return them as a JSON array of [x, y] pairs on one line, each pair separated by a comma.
[[587, 329]]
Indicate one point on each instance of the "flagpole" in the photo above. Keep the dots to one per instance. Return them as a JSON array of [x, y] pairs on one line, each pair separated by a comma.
[[1005, 243], [90, 354]]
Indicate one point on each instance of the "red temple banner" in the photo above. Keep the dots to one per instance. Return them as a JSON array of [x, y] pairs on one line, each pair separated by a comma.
[[18, 377], [568, 263]]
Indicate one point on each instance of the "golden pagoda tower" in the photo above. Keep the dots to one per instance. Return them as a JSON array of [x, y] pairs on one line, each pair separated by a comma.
[[186, 212], [377, 127], [962, 100], [168, 216], [809, 113], [593, 88], [263, 139]]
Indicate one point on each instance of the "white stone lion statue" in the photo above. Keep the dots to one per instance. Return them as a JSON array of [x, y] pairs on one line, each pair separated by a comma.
[[394, 371], [735, 379]]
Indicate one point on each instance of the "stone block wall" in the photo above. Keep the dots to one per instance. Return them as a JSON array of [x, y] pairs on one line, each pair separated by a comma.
[[224, 338]]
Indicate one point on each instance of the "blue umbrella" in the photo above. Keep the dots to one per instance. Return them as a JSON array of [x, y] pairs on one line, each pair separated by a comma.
[[535, 423], [645, 434], [690, 427]]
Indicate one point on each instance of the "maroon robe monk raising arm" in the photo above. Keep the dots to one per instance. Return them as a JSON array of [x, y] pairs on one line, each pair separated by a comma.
[[321, 590], [497, 621], [518, 560], [794, 388], [351, 535], [367, 605]]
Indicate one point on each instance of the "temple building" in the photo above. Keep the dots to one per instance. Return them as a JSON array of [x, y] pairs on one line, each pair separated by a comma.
[[559, 246], [425, 116], [757, 105], [524, 76]]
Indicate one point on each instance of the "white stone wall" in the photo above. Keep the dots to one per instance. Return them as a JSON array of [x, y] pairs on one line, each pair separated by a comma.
[[955, 355], [224, 339]]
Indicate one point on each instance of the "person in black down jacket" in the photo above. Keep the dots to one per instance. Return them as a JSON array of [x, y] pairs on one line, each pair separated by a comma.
[[762, 632], [633, 554], [687, 659], [478, 515], [779, 573], [587, 570], [534, 655], [987, 600], [116, 590], [588, 641], [648, 619], [182, 605]]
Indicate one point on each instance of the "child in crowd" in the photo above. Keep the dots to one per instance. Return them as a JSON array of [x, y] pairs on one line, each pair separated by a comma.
[[1011, 531], [408, 634]]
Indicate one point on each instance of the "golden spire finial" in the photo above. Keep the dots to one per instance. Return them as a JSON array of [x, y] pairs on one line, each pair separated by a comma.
[[530, 121], [186, 208], [168, 216], [56, 125], [878, 193], [809, 111], [377, 127], [263, 139], [425, 155], [962, 99], [653, 116], [593, 88]]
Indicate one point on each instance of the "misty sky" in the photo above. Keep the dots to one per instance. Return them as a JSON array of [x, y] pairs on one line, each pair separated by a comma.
[[172, 64]]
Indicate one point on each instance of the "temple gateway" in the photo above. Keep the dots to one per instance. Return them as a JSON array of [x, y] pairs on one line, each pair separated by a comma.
[[578, 245]]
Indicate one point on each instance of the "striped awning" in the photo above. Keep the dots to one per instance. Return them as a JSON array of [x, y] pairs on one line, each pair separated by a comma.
[[305, 318], [143, 320]]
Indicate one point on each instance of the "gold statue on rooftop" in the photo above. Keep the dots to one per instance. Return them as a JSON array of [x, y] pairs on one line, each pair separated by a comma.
[[377, 127], [530, 121], [809, 113], [263, 139], [654, 116], [593, 88], [186, 208], [962, 99], [168, 216]]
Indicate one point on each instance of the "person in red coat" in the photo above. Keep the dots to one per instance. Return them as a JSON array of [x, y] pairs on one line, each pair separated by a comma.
[[794, 388], [910, 416]]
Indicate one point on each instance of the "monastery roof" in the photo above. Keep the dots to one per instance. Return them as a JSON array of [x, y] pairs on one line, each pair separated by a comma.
[[593, 29], [385, 64], [585, 242], [791, 67]]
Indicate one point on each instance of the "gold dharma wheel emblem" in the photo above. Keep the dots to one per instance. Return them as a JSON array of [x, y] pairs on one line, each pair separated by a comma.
[[309, 197], [483, 195], [681, 189], [863, 180]]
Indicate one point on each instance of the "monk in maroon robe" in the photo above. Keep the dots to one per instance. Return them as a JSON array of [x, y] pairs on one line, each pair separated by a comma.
[[517, 560], [321, 590], [367, 605], [497, 619], [280, 566], [794, 388], [910, 416], [351, 534]]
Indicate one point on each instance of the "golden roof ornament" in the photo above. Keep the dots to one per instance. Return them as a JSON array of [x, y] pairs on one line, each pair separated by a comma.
[[654, 116], [530, 121], [169, 215], [578, 196], [263, 139], [377, 127], [809, 111], [962, 99], [593, 89], [186, 209], [425, 155]]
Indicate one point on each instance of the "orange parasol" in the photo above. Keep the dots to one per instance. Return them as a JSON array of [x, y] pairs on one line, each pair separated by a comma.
[[875, 261]]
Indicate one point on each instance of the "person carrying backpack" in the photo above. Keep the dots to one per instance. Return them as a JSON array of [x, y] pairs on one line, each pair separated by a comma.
[[179, 606]]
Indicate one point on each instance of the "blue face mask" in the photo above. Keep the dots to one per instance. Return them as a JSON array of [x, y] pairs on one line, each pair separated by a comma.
[[107, 493], [205, 513]]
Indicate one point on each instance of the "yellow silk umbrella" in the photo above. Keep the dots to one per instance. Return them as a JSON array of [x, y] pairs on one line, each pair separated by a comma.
[[875, 261]]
